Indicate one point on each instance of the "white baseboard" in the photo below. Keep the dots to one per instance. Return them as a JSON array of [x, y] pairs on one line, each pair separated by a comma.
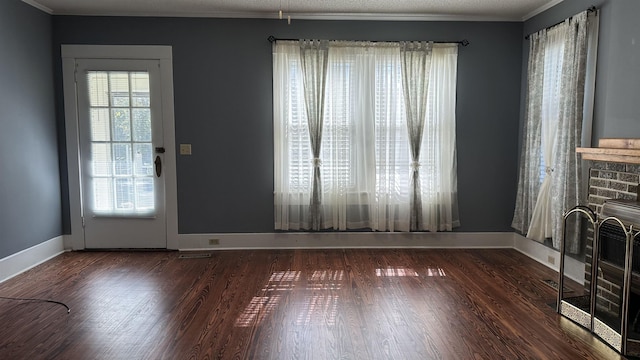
[[17, 263], [573, 268], [340, 240], [24, 260]]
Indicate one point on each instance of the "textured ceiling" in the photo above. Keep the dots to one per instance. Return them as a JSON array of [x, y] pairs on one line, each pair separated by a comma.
[[514, 10]]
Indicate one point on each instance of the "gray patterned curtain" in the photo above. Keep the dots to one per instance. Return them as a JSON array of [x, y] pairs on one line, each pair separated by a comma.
[[567, 187], [416, 64], [314, 55], [531, 154], [554, 116]]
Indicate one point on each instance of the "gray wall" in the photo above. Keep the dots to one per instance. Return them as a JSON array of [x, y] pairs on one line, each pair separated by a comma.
[[222, 73], [617, 113], [223, 107], [621, 114], [29, 178]]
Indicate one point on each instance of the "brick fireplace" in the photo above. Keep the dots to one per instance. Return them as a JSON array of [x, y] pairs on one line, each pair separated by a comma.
[[608, 180], [614, 177]]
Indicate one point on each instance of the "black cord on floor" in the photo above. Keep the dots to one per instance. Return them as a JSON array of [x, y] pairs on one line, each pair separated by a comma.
[[38, 300]]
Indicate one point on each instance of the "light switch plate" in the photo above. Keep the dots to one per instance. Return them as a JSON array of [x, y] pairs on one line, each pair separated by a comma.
[[185, 149]]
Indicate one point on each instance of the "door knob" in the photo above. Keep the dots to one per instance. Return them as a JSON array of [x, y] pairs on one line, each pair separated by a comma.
[[158, 164]]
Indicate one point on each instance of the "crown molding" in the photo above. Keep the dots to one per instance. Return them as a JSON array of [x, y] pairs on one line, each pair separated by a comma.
[[541, 9], [310, 16], [38, 6], [294, 16], [396, 17]]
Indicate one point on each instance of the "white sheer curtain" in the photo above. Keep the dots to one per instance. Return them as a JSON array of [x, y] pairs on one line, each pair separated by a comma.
[[438, 161], [391, 208], [367, 156], [548, 65], [351, 126], [366, 161], [293, 166], [554, 115]]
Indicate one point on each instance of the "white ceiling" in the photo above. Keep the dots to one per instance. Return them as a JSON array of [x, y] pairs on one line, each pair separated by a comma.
[[481, 10]]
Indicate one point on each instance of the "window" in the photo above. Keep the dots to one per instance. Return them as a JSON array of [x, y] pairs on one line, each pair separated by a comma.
[[121, 148], [365, 150]]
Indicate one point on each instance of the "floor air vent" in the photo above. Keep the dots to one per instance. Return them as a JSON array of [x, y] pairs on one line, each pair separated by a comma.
[[194, 255]]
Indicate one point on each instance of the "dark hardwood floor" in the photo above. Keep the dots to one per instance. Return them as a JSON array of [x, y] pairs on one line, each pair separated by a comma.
[[290, 304]]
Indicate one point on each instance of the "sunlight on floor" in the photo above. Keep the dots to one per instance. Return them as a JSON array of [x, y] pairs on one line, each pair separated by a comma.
[[395, 272], [282, 280], [320, 309], [316, 307], [436, 272], [258, 309]]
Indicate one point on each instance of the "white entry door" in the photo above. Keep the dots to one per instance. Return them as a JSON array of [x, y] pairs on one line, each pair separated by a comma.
[[121, 153]]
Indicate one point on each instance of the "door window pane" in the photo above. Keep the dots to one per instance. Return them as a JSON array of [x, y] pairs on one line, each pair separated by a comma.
[[101, 159], [143, 159], [124, 193], [122, 177], [144, 193], [119, 83], [141, 124], [102, 195], [98, 89], [122, 161], [100, 125], [121, 124], [140, 89]]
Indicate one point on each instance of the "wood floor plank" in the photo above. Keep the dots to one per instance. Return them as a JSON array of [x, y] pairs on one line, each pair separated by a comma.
[[291, 304]]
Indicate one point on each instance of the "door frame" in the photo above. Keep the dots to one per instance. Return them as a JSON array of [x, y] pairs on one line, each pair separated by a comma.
[[163, 54]]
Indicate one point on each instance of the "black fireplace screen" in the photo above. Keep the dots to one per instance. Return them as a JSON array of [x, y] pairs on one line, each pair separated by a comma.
[[613, 246]]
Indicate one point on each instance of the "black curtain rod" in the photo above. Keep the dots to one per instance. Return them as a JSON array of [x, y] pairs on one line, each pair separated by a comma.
[[463, 42], [591, 9]]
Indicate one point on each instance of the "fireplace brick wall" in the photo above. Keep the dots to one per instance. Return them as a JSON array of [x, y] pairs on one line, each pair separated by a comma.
[[608, 180]]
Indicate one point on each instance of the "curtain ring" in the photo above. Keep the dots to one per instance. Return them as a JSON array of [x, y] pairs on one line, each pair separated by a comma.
[[548, 170]]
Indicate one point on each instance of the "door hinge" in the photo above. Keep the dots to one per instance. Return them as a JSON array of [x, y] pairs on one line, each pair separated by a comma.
[[83, 221]]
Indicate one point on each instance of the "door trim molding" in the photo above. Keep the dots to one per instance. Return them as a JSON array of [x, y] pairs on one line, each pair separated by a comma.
[[70, 53]]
